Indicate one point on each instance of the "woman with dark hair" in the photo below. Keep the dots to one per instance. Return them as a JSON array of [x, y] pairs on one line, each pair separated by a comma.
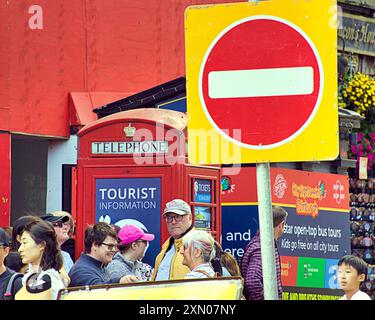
[[39, 249], [18, 227]]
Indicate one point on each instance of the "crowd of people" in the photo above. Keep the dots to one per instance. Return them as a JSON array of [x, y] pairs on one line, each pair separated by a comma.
[[37, 256]]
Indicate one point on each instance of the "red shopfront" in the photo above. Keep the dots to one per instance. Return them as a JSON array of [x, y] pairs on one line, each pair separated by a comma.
[[130, 164]]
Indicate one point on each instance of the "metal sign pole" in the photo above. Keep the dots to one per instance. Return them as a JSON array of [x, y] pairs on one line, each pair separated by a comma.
[[267, 241], [267, 246]]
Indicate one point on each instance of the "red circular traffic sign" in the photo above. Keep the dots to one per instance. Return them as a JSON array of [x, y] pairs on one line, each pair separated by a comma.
[[263, 76]]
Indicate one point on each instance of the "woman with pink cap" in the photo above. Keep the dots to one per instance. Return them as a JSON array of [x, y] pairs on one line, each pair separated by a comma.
[[132, 247]]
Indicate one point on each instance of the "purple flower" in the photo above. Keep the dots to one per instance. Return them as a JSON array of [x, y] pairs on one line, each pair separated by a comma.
[[360, 153], [353, 148], [370, 157], [372, 135], [359, 136], [360, 147]]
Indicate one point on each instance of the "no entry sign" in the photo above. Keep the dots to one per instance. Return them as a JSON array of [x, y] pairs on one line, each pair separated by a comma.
[[261, 83], [263, 79]]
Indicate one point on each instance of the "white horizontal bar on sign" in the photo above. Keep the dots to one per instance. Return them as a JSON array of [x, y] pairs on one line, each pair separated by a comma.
[[261, 82]]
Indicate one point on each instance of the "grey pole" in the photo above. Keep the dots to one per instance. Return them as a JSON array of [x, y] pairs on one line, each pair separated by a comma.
[[267, 241]]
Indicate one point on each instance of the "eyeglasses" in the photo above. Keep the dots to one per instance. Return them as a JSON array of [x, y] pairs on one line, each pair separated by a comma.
[[111, 246], [58, 224], [176, 218]]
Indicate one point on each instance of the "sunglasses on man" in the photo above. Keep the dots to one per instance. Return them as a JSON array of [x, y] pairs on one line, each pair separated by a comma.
[[58, 224]]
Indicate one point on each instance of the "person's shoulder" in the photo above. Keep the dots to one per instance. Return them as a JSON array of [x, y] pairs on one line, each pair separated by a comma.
[[360, 295], [66, 257], [27, 275], [52, 273], [64, 253], [166, 243], [226, 273], [80, 264], [55, 277], [83, 260], [118, 257], [195, 275], [6, 274], [18, 283], [253, 245], [117, 262], [144, 265], [70, 241]]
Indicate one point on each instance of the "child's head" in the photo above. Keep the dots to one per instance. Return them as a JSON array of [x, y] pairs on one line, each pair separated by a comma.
[[352, 271]]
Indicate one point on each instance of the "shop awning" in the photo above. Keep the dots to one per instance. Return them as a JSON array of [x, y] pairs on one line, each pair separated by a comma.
[[81, 105], [149, 98]]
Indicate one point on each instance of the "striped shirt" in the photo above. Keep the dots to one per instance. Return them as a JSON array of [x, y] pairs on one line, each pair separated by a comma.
[[251, 269]]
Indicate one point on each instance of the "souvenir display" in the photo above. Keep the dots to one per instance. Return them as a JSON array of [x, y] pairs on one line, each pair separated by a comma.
[[362, 226]]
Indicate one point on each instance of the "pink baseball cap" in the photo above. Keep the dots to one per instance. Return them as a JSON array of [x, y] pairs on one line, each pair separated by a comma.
[[130, 233]]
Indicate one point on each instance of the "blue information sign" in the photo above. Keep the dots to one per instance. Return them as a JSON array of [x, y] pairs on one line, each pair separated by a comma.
[[202, 191], [131, 201]]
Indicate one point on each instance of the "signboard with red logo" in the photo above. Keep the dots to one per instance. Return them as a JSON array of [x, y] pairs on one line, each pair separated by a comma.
[[262, 77], [316, 233]]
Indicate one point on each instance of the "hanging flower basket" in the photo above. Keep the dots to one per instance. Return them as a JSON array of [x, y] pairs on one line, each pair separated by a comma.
[[364, 147], [357, 93]]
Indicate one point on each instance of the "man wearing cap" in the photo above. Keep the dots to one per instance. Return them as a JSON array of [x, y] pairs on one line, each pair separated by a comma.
[[132, 247], [6, 273], [61, 236], [168, 263], [69, 245]]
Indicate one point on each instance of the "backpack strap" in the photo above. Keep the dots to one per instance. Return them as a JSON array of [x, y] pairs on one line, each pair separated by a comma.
[[8, 295]]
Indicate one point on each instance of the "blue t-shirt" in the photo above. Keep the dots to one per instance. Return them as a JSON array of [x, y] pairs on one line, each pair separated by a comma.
[[165, 265], [68, 262], [89, 271]]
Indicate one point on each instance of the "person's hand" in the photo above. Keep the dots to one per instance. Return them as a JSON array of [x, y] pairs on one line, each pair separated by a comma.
[[128, 279]]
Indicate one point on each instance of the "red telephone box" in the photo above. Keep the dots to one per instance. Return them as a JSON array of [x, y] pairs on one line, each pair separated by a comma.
[[130, 164]]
